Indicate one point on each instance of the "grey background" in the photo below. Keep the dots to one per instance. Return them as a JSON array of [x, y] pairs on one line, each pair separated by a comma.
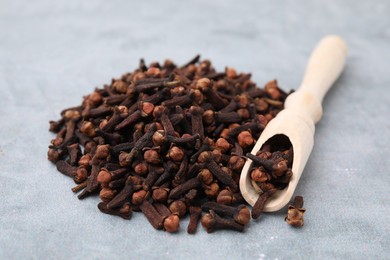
[[54, 52]]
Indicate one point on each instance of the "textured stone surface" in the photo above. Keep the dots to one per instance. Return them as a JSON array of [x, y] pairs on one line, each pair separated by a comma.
[[53, 52]]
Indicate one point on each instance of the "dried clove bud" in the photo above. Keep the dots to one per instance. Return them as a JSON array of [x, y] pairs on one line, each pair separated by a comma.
[[175, 154], [172, 223], [295, 212], [195, 214], [211, 222], [259, 204], [160, 194], [138, 197], [178, 207], [225, 197], [241, 214], [123, 212], [245, 139], [152, 214]]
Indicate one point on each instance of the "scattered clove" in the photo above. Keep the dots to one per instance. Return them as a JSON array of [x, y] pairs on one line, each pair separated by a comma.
[[295, 212]]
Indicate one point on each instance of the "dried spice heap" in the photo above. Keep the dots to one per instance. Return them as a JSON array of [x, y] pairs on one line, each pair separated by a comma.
[[168, 141]]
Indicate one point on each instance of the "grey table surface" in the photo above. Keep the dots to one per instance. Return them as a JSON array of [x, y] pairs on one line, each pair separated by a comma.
[[54, 52]]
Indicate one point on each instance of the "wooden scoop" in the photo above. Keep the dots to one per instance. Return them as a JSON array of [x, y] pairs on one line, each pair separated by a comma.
[[296, 123]]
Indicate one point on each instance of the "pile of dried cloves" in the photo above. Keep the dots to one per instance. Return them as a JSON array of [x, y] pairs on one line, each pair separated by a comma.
[[169, 141]]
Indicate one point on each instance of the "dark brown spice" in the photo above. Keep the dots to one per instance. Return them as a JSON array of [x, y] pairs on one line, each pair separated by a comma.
[[178, 207], [152, 215], [123, 212], [106, 194], [74, 152], [196, 121], [92, 183], [79, 187], [183, 188], [153, 175], [123, 196], [160, 194], [141, 143], [171, 223], [241, 214], [225, 197], [66, 169], [162, 209], [221, 175], [211, 222], [295, 212], [173, 136], [259, 205], [138, 197], [129, 120], [117, 184], [181, 174], [195, 215], [81, 174]]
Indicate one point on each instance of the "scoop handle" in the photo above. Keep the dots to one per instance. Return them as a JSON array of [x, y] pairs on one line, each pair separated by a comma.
[[325, 65]]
